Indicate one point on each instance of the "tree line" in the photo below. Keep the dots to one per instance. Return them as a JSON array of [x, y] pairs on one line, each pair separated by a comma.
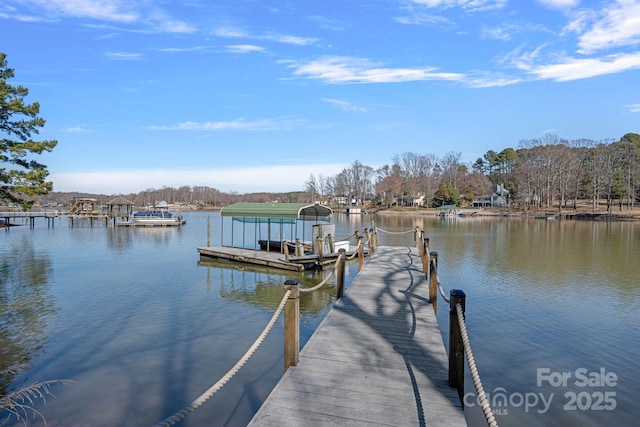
[[544, 172]]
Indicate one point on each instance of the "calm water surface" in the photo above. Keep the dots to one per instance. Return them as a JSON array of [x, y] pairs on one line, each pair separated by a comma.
[[142, 326]]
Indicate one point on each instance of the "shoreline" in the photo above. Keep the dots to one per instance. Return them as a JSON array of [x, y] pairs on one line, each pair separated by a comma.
[[543, 214]]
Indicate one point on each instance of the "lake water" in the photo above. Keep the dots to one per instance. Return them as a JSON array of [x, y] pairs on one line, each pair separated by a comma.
[[142, 326]]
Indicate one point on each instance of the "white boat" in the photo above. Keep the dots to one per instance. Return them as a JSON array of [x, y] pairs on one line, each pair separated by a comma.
[[157, 217]]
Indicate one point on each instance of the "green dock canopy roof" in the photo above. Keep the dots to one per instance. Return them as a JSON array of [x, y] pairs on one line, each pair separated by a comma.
[[292, 211]]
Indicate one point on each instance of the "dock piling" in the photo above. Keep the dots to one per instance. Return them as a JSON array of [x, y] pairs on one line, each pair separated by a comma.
[[456, 346], [292, 325], [433, 278], [340, 268]]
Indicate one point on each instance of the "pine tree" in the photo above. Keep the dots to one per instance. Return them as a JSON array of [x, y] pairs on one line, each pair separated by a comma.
[[21, 177]]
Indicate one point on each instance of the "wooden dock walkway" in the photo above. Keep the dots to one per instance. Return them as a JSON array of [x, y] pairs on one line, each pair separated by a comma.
[[377, 358]]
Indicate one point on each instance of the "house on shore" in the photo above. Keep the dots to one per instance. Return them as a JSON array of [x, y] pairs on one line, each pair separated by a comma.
[[499, 198]]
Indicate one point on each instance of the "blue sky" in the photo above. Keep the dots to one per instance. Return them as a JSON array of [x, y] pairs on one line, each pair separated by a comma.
[[257, 95]]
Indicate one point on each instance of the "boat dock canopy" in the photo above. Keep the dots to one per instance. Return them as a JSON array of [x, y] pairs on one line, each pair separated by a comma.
[[290, 211]]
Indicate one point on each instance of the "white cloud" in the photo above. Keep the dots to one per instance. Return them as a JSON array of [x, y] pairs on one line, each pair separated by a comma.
[[618, 26], [574, 69], [109, 10], [243, 180], [123, 56], [183, 49], [76, 129], [230, 32], [281, 123], [633, 108], [343, 70], [345, 106], [471, 5], [245, 48], [239, 33], [419, 18], [115, 11], [294, 40], [503, 32], [560, 4]]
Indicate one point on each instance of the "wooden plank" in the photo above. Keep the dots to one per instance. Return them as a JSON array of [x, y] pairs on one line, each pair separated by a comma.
[[376, 359]]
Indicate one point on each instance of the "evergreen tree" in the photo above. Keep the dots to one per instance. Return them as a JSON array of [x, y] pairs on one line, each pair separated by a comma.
[[21, 177]]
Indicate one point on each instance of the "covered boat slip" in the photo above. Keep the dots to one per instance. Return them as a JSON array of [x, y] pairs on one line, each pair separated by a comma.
[[258, 231], [265, 225]]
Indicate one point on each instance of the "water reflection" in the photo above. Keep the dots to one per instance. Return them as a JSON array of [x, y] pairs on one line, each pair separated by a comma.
[[264, 287], [25, 305], [124, 238]]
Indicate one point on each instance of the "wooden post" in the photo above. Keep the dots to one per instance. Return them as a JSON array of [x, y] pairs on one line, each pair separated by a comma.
[[433, 279], [456, 347], [340, 268], [425, 262], [299, 251], [208, 231], [292, 325], [285, 249], [319, 250], [369, 241], [360, 254], [332, 246]]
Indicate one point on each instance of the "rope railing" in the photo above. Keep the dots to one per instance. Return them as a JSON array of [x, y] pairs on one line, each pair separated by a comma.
[[477, 383], [459, 342], [440, 288], [290, 305], [394, 232], [355, 253], [200, 400], [326, 279]]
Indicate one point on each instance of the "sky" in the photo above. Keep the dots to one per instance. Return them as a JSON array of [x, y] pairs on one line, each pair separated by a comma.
[[259, 95]]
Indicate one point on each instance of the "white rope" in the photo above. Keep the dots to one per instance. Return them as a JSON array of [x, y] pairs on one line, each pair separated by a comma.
[[395, 232], [345, 238], [355, 253], [477, 383], [326, 279], [444, 295], [178, 416]]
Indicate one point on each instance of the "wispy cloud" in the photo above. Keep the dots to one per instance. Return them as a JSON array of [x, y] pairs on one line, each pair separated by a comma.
[[633, 108], [560, 4], [183, 49], [123, 12], [470, 5], [582, 68], [245, 48], [281, 123], [123, 56], [343, 70], [421, 18], [239, 33], [616, 26], [107, 10], [345, 105], [76, 129]]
